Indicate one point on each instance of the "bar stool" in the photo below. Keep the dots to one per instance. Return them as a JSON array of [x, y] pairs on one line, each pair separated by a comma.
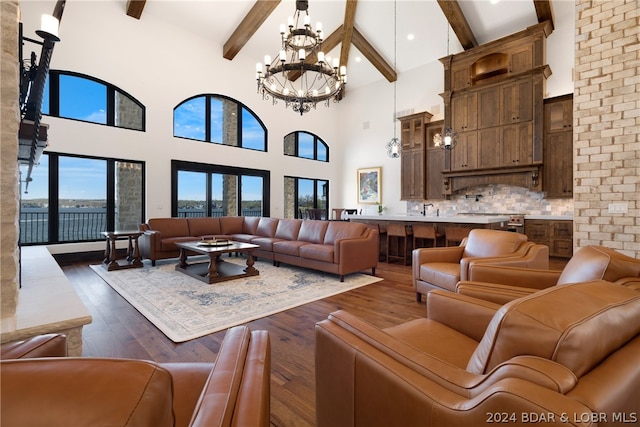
[[398, 233], [455, 234], [426, 232], [337, 213]]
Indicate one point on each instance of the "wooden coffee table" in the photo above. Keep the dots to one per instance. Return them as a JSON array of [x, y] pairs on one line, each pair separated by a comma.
[[216, 270]]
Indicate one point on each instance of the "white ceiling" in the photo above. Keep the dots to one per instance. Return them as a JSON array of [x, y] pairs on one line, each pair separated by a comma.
[[217, 19]]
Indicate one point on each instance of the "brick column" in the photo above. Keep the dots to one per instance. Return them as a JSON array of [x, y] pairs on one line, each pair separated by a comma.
[[9, 173], [607, 124]]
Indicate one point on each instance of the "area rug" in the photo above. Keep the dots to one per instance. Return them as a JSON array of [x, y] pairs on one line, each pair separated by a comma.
[[184, 308]]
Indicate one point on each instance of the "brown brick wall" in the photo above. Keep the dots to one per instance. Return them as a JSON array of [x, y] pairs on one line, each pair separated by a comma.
[[607, 124]]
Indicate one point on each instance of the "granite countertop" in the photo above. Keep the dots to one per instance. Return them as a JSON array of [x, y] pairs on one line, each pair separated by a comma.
[[550, 217], [462, 219]]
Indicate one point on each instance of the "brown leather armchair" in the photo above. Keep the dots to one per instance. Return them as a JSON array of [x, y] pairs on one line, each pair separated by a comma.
[[566, 355], [501, 284], [62, 391], [443, 268]]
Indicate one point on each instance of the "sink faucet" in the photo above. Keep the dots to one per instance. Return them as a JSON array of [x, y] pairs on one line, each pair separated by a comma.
[[424, 208]]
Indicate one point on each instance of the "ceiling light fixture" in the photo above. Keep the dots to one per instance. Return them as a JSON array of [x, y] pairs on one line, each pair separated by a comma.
[[393, 147], [301, 75]]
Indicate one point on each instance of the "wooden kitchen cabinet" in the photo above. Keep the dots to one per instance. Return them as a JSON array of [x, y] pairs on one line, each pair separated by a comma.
[[464, 112], [413, 157], [488, 107], [434, 185], [516, 144], [558, 147], [557, 234], [517, 101], [465, 155]]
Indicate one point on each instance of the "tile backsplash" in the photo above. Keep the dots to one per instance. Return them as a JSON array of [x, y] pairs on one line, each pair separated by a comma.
[[496, 199]]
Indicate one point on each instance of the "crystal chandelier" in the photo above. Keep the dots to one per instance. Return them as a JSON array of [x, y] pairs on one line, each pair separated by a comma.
[[301, 75], [447, 140]]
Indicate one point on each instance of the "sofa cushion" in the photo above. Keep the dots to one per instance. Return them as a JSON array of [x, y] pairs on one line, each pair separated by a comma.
[[337, 230], [265, 243], [250, 224], [489, 243], [288, 229], [170, 227], [85, 392], [231, 225], [267, 227], [445, 274], [577, 325], [317, 252], [597, 262], [312, 231], [205, 226], [289, 247], [169, 244]]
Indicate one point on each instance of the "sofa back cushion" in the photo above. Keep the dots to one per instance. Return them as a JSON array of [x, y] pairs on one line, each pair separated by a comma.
[[250, 224], [85, 392], [577, 325], [490, 243], [231, 224], [597, 262], [205, 226], [170, 227], [267, 227], [288, 229], [312, 231], [337, 230]]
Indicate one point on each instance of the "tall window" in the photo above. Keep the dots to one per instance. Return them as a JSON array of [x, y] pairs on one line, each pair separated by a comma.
[[75, 199], [301, 194], [216, 190], [80, 97], [220, 120], [306, 145]]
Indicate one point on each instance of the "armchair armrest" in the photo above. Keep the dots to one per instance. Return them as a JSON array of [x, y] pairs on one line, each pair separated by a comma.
[[357, 253], [529, 255], [467, 315], [493, 292], [420, 256], [514, 276], [49, 345]]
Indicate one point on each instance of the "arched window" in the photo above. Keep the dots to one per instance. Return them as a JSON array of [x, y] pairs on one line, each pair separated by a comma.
[[306, 145], [220, 120], [77, 96]]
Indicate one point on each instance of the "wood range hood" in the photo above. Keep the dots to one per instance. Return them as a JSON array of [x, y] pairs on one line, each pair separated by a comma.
[[494, 100]]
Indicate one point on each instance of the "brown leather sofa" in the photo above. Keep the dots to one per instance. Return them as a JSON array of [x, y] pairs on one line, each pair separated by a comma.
[[566, 355], [52, 390], [501, 284], [338, 247], [443, 268]]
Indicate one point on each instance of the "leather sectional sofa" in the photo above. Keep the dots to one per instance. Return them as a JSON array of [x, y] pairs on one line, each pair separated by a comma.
[[42, 387], [563, 356], [338, 247]]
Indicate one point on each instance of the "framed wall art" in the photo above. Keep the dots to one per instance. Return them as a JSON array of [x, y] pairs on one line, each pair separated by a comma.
[[370, 186]]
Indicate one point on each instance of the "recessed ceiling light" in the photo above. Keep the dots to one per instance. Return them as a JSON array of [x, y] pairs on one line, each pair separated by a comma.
[[410, 37], [494, 1], [358, 59]]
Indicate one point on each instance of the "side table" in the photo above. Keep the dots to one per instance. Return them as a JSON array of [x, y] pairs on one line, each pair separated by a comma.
[[133, 258]]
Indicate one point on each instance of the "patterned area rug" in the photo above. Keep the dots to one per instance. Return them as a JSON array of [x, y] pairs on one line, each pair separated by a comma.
[[184, 308]]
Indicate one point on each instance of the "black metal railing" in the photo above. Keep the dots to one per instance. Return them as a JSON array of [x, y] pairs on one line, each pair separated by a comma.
[[80, 224]]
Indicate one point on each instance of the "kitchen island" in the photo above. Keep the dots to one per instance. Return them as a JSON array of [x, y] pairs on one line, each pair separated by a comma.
[[453, 227]]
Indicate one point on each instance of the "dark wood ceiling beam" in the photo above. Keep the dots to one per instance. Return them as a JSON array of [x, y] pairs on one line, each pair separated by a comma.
[[458, 22], [543, 11], [249, 25], [135, 8], [348, 25], [372, 55]]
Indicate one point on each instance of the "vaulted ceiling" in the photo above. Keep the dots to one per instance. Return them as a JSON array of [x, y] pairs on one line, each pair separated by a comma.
[[374, 38]]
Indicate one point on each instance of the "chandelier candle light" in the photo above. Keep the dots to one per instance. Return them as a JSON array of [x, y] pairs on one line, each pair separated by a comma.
[[301, 75]]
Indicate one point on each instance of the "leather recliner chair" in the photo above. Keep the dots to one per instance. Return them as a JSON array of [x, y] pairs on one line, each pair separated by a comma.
[[566, 355], [443, 268], [501, 284], [41, 387]]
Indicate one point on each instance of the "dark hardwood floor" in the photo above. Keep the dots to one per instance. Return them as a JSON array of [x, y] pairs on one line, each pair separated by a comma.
[[118, 330]]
